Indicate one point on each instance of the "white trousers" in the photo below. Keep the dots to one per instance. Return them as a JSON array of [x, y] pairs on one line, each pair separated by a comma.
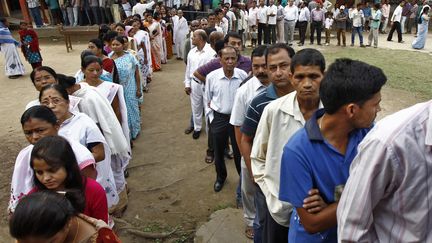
[[197, 104], [280, 31], [179, 46]]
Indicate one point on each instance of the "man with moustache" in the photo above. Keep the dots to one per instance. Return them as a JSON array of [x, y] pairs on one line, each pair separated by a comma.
[[244, 96], [279, 121], [278, 55]]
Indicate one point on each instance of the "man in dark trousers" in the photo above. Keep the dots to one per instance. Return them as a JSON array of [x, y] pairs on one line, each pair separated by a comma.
[[220, 88]]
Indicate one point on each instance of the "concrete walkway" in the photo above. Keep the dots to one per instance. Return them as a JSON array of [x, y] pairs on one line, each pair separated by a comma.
[[225, 226]]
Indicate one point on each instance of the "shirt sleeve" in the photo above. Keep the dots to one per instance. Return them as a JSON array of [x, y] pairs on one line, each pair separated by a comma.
[[250, 122], [296, 177], [259, 149], [207, 68], [187, 81], [372, 176], [238, 111]]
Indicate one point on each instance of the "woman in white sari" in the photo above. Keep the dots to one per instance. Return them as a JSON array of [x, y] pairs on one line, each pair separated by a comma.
[[38, 122], [92, 67], [142, 39], [43, 76], [14, 68], [423, 24], [79, 127]]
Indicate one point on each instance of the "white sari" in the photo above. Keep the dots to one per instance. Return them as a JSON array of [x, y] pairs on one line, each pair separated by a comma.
[[97, 107], [118, 163], [84, 130], [22, 178]]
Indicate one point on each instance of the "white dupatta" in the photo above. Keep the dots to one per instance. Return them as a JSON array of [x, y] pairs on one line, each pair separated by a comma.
[[22, 177], [97, 107]]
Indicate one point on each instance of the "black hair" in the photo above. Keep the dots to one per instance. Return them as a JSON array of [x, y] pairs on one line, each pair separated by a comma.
[[232, 34], [219, 45], [349, 81], [66, 81], [22, 22], [137, 16], [212, 14], [85, 54], [58, 87], [97, 42], [217, 11], [121, 25], [259, 51], [109, 36], [39, 112], [89, 60], [103, 29], [120, 39], [58, 153], [42, 68], [308, 57], [274, 49], [41, 214]]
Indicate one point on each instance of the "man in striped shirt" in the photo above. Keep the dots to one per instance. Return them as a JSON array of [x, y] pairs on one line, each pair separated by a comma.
[[388, 196]]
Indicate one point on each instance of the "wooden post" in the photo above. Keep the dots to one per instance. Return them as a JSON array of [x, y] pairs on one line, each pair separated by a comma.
[[25, 11]]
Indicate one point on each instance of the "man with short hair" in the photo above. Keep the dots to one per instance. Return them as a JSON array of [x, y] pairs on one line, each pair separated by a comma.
[[232, 19], [395, 23], [303, 20], [253, 16], [203, 23], [140, 8], [220, 89], [212, 18], [34, 7], [194, 25], [200, 54], [291, 14], [181, 29], [234, 40], [387, 197], [357, 19], [247, 91], [270, 36], [277, 55], [262, 23], [320, 154], [317, 22], [279, 121]]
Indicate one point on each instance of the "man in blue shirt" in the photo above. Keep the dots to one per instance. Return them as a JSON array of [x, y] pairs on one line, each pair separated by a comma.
[[319, 155]]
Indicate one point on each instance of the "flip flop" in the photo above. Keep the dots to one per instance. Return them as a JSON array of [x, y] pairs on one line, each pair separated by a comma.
[[249, 232], [209, 159]]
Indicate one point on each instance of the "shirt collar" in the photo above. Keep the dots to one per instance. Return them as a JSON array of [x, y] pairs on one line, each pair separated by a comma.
[[235, 74], [271, 92], [312, 129]]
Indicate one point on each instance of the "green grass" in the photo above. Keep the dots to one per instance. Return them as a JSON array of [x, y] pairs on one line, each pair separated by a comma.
[[406, 70]]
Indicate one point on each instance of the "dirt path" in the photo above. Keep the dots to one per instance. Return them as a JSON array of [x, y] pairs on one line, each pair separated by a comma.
[[170, 184]]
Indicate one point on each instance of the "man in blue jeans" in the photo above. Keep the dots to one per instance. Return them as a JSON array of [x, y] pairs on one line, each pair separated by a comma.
[[34, 7], [357, 19]]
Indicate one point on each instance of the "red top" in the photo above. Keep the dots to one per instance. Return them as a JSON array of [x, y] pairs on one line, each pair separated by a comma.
[[95, 199], [108, 64]]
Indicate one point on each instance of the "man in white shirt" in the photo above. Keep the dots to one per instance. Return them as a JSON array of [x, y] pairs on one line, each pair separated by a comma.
[[220, 88], [199, 55], [140, 8], [262, 23], [252, 16], [232, 19], [244, 96], [280, 32], [242, 23], [279, 121], [271, 23], [222, 21], [385, 10], [291, 14], [303, 19], [357, 18], [395, 23], [181, 29]]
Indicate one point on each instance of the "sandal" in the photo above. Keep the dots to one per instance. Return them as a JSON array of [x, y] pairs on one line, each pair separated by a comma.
[[209, 159], [249, 232]]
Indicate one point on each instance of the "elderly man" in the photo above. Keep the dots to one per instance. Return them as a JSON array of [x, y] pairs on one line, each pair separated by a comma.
[[200, 54], [181, 29], [220, 88]]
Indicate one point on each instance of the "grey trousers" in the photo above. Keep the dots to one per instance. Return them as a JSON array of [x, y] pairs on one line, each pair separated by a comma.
[[289, 27], [373, 34], [247, 195]]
